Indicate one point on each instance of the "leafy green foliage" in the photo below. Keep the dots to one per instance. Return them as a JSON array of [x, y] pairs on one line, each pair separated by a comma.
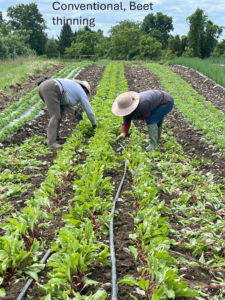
[[203, 34], [27, 17]]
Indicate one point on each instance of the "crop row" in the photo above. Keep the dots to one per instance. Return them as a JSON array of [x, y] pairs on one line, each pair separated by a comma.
[[14, 163], [90, 216], [27, 102], [203, 115], [25, 230]]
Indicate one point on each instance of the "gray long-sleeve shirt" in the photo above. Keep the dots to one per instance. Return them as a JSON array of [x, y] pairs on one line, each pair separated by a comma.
[[74, 94]]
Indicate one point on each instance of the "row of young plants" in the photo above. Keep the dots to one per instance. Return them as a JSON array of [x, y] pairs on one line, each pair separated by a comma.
[[203, 115], [14, 163], [199, 206], [28, 101], [19, 246], [157, 271], [37, 214], [77, 245]]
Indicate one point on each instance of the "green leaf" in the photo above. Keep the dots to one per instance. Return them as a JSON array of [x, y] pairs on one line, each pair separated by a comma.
[[128, 279], [100, 295], [135, 298], [134, 251], [2, 292], [32, 274]]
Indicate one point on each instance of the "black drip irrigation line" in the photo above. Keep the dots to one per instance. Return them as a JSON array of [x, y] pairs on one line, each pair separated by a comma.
[[24, 290], [112, 248]]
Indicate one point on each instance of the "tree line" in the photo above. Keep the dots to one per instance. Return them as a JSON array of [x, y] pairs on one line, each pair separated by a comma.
[[24, 33]]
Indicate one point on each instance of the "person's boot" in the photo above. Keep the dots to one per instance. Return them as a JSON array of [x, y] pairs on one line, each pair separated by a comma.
[[159, 132], [51, 138], [153, 135]]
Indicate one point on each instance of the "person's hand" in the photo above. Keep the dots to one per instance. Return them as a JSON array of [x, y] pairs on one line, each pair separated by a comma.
[[121, 137], [78, 115], [92, 130]]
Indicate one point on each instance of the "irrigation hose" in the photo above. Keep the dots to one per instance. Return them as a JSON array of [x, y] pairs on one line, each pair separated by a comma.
[[24, 290], [112, 248]]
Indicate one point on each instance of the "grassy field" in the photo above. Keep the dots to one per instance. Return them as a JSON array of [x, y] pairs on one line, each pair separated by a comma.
[[16, 70], [205, 66]]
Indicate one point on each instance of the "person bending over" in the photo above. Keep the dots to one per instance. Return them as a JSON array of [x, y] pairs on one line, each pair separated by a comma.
[[62, 95], [151, 106]]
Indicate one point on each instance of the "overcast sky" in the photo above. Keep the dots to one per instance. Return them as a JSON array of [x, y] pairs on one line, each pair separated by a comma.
[[104, 19]]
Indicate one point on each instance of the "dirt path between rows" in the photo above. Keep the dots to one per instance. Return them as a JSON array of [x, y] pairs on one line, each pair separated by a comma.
[[22, 88], [204, 86]]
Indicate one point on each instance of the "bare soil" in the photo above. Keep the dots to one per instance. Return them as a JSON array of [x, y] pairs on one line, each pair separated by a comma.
[[20, 89], [204, 86]]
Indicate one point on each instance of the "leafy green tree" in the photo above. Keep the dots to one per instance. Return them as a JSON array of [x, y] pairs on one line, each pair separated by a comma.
[[150, 48], [123, 25], [189, 52], [85, 44], [203, 34], [124, 42], [175, 44], [28, 17], [65, 38], [220, 49], [210, 36], [1, 18], [158, 26], [16, 44], [4, 28], [184, 43], [51, 48]]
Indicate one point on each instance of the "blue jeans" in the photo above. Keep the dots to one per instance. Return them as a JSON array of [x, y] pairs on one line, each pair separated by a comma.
[[158, 114]]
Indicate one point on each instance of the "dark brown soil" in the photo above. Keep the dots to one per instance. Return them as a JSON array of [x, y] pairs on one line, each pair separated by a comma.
[[22, 88], [141, 79], [93, 75], [204, 86]]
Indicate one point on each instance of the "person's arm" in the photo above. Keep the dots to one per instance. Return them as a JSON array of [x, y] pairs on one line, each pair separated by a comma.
[[126, 124], [88, 109], [125, 128]]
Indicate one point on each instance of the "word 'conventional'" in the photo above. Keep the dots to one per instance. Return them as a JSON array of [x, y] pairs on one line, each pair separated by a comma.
[[96, 6]]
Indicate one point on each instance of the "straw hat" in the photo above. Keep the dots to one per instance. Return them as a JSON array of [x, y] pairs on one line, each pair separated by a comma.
[[87, 85], [125, 103]]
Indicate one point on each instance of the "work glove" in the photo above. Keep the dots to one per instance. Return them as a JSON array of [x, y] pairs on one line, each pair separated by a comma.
[[94, 126], [121, 137], [78, 115]]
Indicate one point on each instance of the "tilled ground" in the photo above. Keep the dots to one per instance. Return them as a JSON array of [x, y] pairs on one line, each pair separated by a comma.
[[204, 86], [93, 75], [22, 88], [141, 79]]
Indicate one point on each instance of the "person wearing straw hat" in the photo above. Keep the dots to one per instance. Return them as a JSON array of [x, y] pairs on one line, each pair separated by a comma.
[[62, 95], [151, 106]]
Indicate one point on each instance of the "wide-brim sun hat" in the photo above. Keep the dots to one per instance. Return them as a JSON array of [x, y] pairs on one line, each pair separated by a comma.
[[125, 103], [87, 85]]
